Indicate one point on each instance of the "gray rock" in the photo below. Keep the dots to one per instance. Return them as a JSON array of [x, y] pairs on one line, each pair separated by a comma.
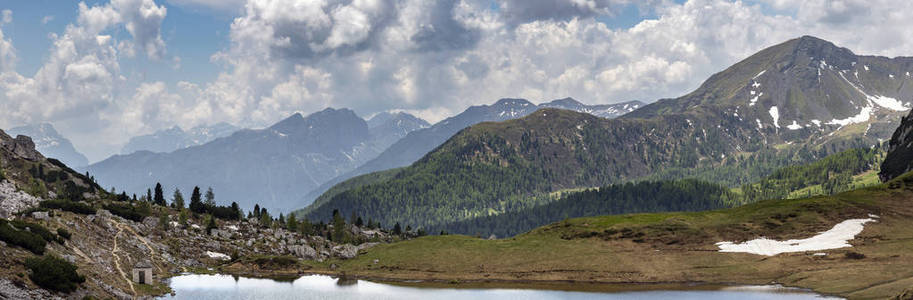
[[13, 200], [366, 246], [345, 251], [40, 215], [303, 251], [151, 222]]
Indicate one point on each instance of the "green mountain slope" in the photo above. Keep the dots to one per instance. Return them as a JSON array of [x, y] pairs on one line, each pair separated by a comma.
[[680, 248], [809, 109], [499, 167]]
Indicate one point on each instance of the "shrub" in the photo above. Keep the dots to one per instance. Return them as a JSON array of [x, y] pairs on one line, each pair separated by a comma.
[[18, 236], [855, 255], [66, 205], [54, 274], [127, 211], [64, 233]]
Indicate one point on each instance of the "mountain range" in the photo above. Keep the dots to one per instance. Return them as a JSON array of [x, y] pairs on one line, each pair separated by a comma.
[[791, 103], [272, 167], [52, 144], [416, 144], [175, 138]]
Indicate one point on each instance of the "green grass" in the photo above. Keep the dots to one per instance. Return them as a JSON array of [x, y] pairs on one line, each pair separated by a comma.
[[677, 247]]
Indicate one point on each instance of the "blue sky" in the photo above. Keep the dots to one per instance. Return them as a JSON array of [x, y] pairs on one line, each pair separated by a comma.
[[112, 70]]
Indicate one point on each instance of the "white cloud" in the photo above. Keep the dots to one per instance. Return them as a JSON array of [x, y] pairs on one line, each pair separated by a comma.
[[432, 58], [81, 81], [7, 52], [46, 19]]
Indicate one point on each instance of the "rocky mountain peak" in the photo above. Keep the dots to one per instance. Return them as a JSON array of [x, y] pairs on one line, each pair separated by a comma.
[[21, 146]]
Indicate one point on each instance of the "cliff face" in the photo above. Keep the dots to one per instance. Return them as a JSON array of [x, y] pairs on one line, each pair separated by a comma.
[[900, 151]]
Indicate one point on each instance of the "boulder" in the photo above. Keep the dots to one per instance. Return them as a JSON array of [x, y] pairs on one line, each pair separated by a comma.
[[40, 215], [345, 251], [303, 251]]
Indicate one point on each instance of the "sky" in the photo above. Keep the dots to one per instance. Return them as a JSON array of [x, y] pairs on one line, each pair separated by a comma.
[[103, 71]]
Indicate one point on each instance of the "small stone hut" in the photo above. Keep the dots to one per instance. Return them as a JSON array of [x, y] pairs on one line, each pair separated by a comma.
[[142, 273]]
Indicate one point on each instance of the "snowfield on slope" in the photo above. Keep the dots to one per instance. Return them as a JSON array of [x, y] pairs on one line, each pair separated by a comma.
[[837, 237]]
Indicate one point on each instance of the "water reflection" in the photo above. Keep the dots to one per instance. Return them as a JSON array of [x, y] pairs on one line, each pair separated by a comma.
[[222, 287]]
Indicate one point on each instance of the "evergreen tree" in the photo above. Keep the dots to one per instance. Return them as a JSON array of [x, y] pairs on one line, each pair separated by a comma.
[[210, 198], [196, 203], [339, 227], [397, 229], [359, 222], [211, 225], [159, 198], [148, 195], [265, 219], [281, 218], [291, 222], [237, 209], [257, 211], [178, 199]]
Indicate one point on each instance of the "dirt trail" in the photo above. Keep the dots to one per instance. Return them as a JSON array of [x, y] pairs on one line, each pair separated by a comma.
[[76, 249], [145, 242], [117, 260]]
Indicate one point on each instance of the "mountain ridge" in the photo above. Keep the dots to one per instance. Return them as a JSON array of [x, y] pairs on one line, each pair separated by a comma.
[[716, 125]]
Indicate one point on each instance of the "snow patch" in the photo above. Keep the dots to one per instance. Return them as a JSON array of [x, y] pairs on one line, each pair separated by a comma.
[[794, 126], [759, 123], [863, 116], [217, 255], [759, 74], [775, 114], [888, 102], [816, 122], [866, 67], [837, 237]]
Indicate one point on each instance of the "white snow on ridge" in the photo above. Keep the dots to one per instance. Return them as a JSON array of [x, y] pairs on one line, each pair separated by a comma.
[[888, 102], [794, 126], [775, 114], [759, 74], [863, 116], [837, 237], [816, 122]]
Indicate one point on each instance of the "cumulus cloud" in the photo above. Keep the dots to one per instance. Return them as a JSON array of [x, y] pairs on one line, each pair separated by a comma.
[[432, 58], [81, 77], [7, 52]]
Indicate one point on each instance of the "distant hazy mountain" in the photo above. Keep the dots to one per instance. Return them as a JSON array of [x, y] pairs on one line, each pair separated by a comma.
[[416, 144], [175, 138], [791, 103], [50, 143], [274, 167]]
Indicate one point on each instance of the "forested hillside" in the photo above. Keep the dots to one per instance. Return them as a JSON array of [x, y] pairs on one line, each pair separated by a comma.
[[667, 196], [836, 173], [787, 105]]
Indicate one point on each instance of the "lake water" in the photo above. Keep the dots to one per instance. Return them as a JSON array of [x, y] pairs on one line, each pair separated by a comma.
[[225, 287]]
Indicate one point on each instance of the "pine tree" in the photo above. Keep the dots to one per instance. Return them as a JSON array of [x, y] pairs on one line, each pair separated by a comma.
[[291, 222], [397, 229], [196, 204], [159, 198], [210, 198], [178, 200], [257, 211], [339, 227], [237, 209], [148, 195], [211, 224]]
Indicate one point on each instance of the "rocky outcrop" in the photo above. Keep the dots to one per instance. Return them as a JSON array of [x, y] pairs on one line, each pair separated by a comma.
[[13, 200], [345, 251], [900, 151], [21, 146], [14, 290]]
